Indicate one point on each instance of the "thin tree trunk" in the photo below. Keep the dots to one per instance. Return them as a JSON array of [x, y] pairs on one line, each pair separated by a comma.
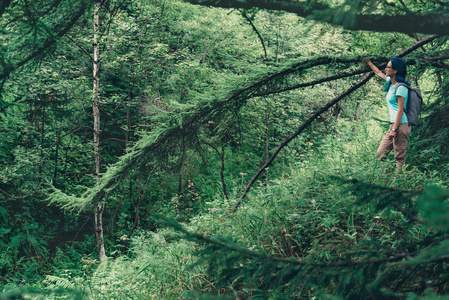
[[164, 187], [439, 79], [137, 217], [55, 174], [128, 127], [223, 167], [43, 125], [114, 216], [356, 116], [357, 111], [35, 115], [96, 116], [223, 182], [119, 206], [337, 112], [181, 169], [139, 185], [267, 138]]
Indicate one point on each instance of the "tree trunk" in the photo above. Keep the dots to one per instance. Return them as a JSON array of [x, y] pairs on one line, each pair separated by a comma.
[[267, 140], [357, 111], [223, 182], [139, 202], [356, 116], [96, 116], [181, 168]]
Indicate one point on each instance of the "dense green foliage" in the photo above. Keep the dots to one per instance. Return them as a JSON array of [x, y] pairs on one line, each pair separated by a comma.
[[195, 102]]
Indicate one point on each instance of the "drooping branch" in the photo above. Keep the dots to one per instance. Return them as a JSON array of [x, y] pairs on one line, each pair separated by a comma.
[[317, 114], [255, 30], [434, 22], [81, 47], [51, 40], [434, 61], [314, 82]]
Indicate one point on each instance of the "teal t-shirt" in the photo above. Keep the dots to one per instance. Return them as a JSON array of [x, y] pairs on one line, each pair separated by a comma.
[[393, 102]]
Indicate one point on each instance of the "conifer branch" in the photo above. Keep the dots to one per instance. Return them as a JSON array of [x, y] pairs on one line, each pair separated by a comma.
[[9, 195], [50, 41], [433, 22], [434, 61], [407, 214], [367, 192]]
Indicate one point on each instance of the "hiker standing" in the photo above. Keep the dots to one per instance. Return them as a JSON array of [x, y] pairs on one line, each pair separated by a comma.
[[397, 135]]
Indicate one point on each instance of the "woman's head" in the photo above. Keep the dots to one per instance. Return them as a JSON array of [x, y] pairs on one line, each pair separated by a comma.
[[399, 65], [396, 68]]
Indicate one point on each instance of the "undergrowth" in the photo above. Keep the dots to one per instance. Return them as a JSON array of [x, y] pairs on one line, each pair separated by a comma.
[[310, 213]]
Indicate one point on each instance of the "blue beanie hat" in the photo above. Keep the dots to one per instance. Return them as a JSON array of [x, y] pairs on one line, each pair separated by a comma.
[[400, 66]]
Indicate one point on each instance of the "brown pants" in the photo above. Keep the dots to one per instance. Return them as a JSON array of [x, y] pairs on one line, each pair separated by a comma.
[[399, 144]]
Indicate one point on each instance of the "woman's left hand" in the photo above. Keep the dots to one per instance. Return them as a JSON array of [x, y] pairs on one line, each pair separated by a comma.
[[391, 135]]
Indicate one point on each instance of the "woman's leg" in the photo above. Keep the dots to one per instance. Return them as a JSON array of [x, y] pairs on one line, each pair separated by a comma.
[[386, 145], [400, 144]]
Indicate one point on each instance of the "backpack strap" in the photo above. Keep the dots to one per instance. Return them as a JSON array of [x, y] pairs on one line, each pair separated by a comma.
[[396, 88], [398, 85]]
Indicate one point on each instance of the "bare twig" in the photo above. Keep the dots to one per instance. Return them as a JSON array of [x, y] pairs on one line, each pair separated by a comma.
[[79, 46]]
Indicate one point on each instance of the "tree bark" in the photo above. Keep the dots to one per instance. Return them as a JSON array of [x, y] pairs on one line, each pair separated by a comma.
[[96, 116]]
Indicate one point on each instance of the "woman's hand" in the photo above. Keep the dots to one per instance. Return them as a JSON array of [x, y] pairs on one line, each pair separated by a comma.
[[365, 60], [373, 67], [391, 134]]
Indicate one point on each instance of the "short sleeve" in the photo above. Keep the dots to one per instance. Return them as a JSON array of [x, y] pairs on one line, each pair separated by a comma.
[[402, 91]]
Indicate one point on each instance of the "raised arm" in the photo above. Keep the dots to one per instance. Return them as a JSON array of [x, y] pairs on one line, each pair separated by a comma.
[[374, 68]]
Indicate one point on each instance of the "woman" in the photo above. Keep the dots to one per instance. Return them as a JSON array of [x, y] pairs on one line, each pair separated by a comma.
[[397, 135]]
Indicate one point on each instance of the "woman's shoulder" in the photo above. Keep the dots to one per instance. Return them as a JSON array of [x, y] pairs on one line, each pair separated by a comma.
[[401, 90]]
